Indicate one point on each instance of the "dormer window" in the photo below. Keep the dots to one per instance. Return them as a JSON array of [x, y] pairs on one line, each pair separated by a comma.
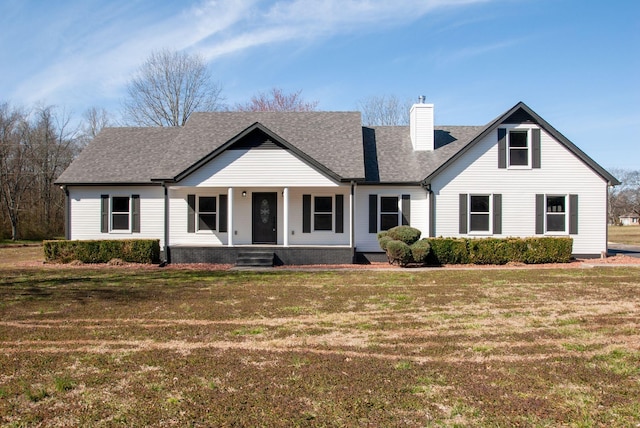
[[518, 148]]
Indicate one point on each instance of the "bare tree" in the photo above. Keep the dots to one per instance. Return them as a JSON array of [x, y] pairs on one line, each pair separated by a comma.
[[51, 142], [14, 174], [277, 100], [384, 110], [168, 88], [624, 198], [93, 120]]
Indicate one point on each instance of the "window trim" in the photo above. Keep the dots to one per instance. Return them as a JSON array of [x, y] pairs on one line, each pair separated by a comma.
[[529, 147], [489, 214], [398, 211], [198, 212], [112, 212], [566, 214], [330, 213]]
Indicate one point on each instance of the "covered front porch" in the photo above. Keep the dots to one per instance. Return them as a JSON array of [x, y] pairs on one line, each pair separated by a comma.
[[296, 225]]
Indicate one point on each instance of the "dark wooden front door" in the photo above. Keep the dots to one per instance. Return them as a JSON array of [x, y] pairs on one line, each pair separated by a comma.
[[265, 218]]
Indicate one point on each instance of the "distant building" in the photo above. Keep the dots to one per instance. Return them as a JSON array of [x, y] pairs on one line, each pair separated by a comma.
[[631, 219]]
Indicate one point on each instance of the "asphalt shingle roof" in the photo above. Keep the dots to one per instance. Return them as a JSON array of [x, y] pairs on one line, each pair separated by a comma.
[[334, 141], [128, 155]]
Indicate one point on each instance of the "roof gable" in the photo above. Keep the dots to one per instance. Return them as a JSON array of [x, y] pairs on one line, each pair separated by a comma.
[[256, 136], [521, 113]]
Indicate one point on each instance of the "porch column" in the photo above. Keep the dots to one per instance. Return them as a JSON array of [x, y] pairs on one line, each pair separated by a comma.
[[285, 225], [230, 230]]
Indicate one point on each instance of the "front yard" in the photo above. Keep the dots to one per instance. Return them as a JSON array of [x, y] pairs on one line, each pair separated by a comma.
[[119, 346]]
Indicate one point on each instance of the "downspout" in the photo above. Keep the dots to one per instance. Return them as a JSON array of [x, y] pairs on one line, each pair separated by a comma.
[[167, 256], [352, 239], [67, 213], [432, 222]]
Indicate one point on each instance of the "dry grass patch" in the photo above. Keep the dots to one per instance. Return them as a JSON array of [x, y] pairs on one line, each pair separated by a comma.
[[131, 347], [624, 235]]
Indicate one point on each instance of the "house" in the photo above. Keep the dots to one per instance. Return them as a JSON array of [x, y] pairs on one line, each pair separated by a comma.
[[630, 219], [317, 187]]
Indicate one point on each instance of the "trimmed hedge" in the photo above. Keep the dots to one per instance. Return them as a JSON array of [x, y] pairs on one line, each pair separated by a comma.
[[129, 250], [403, 246], [500, 251]]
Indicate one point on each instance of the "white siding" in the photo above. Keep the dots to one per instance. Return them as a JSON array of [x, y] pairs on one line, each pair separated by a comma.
[[274, 167], [86, 212], [323, 237], [561, 173], [178, 214], [368, 242]]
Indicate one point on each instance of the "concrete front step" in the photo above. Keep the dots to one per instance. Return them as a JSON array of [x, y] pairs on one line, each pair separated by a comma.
[[255, 258]]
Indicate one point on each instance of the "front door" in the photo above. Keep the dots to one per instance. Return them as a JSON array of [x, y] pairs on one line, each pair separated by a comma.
[[265, 218]]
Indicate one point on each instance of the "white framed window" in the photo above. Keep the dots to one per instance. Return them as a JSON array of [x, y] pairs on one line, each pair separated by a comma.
[[120, 213], [519, 148], [207, 213], [556, 217], [323, 213], [480, 214], [389, 212]]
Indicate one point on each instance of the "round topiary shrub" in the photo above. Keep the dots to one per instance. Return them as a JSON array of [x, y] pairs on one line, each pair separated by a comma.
[[406, 234], [398, 252], [420, 251], [384, 241]]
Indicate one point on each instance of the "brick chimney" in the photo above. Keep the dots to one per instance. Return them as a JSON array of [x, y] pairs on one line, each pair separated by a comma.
[[421, 125]]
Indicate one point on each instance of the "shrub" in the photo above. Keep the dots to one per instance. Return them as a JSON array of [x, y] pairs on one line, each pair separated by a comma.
[[384, 241], [499, 251], [129, 250], [548, 250], [490, 251], [406, 234], [448, 251], [398, 252], [420, 251]]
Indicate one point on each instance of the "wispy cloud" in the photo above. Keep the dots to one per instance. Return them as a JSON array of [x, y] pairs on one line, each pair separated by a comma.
[[97, 52], [464, 54]]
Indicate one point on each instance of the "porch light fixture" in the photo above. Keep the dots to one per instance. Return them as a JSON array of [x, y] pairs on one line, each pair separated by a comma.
[[244, 193]]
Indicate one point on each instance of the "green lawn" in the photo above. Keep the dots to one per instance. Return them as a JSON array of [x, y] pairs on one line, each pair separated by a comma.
[[169, 347], [625, 235]]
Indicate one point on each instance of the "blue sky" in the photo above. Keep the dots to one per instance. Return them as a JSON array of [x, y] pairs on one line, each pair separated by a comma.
[[575, 62]]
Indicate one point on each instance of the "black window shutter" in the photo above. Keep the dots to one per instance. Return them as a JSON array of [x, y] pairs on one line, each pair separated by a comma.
[[462, 228], [306, 213], [104, 213], [535, 154], [222, 214], [191, 213], [497, 214], [502, 148], [540, 214], [573, 214], [135, 213], [406, 210], [339, 213], [373, 213]]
